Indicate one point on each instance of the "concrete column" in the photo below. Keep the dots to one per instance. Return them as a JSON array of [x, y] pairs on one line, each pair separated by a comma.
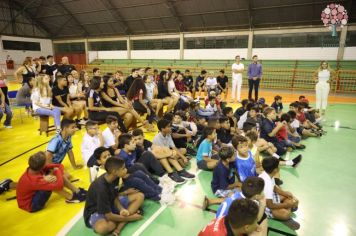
[[128, 43], [86, 46], [181, 46], [249, 45], [340, 52]]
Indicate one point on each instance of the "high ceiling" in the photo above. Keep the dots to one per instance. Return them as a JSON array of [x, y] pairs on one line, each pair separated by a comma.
[[94, 18]]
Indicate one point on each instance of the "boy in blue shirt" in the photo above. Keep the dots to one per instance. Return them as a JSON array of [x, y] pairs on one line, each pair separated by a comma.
[[223, 183], [245, 164], [252, 189], [205, 149], [61, 144]]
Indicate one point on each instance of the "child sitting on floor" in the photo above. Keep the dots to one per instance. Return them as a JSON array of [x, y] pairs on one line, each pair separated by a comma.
[[36, 185], [92, 140], [252, 188], [223, 183], [205, 158], [111, 134], [105, 209], [244, 163], [280, 204]]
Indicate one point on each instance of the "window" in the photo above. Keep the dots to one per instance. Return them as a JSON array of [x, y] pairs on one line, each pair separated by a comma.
[[21, 45], [108, 46], [155, 44], [351, 39], [295, 40], [216, 42], [69, 48]]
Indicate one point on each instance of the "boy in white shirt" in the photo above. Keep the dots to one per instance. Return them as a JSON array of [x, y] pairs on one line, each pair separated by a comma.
[[92, 139], [280, 204], [111, 134], [211, 83]]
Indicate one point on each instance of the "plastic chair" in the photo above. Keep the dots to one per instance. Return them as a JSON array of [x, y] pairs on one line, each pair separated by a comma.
[[12, 100]]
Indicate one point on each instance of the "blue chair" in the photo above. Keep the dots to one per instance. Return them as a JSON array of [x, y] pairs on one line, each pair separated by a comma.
[[13, 104]]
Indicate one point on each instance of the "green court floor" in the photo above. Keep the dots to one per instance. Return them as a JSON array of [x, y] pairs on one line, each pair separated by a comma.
[[324, 184]]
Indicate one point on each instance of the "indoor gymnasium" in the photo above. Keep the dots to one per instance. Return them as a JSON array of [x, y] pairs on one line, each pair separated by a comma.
[[177, 117]]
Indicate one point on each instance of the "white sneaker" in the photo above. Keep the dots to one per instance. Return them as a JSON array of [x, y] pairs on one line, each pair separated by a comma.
[[7, 126], [82, 122]]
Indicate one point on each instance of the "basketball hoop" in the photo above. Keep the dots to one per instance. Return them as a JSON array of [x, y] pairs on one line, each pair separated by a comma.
[[334, 16]]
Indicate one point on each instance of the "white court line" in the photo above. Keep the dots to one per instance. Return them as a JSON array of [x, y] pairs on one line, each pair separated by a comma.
[[149, 221], [71, 223], [287, 156]]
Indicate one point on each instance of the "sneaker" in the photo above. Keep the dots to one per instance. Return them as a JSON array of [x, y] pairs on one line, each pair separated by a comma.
[[176, 178], [77, 198], [7, 126], [191, 152], [82, 122], [185, 174], [5, 185], [292, 224], [301, 146], [278, 182], [82, 192], [297, 160]]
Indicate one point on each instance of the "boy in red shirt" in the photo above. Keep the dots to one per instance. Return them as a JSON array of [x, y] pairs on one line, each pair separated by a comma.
[[282, 134], [240, 220], [37, 183]]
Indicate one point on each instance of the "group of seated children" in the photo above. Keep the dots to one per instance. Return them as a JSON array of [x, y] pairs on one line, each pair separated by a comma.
[[244, 149], [255, 151]]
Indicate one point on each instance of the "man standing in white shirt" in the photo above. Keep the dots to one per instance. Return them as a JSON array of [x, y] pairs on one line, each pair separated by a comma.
[[237, 70]]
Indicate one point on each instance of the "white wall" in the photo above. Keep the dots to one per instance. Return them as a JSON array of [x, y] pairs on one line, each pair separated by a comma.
[[296, 53], [350, 53], [206, 54], [19, 56], [107, 55], [154, 54], [229, 54]]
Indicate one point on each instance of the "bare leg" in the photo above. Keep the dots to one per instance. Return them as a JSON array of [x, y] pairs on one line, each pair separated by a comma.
[[164, 162], [69, 185], [128, 117], [175, 164], [68, 112], [104, 226], [212, 164], [136, 200]]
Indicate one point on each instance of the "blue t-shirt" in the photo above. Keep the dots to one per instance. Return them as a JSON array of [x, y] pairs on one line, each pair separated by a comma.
[[222, 177], [246, 167], [205, 149], [128, 158], [266, 128], [224, 207], [59, 148]]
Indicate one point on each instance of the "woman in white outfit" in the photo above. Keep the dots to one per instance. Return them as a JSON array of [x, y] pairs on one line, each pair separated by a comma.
[[237, 70], [323, 76]]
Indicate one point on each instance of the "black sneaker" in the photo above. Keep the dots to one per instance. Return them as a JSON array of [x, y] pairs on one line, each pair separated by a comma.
[[191, 152], [297, 160], [185, 175], [176, 178], [77, 198], [301, 146], [5, 185], [292, 224], [82, 192], [278, 182]]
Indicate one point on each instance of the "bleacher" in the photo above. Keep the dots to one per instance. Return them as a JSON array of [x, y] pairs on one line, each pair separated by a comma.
[[277, 74]]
